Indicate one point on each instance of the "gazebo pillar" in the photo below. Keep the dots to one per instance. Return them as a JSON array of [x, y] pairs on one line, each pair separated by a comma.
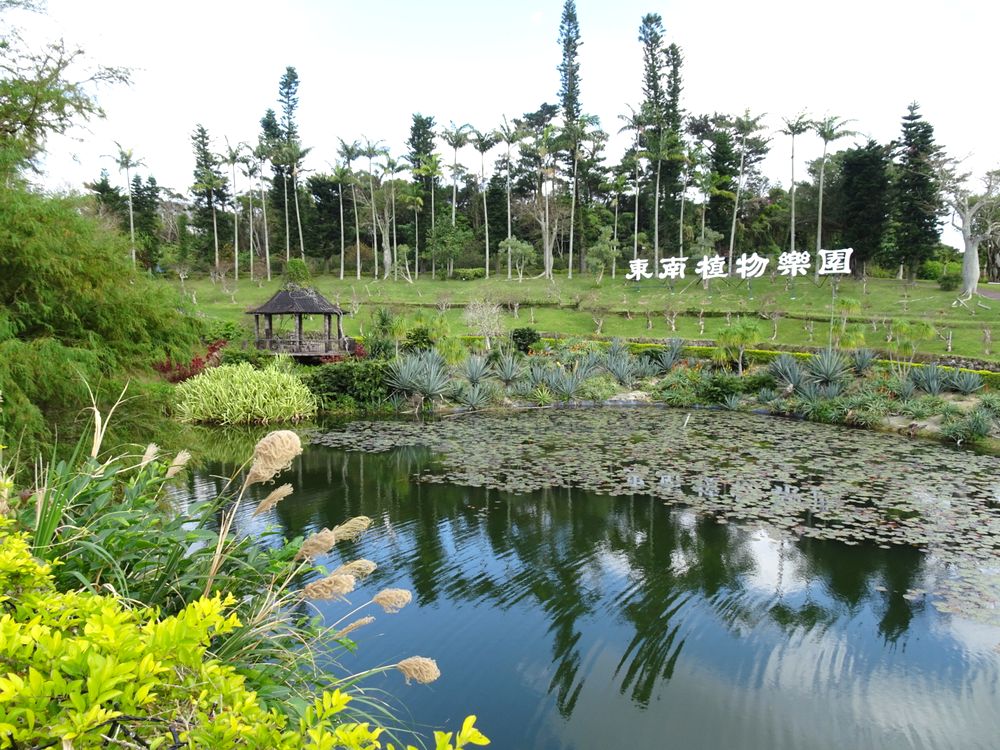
[[326, 332], [256, 330], [298, 330], [268, 329], [340, 329]]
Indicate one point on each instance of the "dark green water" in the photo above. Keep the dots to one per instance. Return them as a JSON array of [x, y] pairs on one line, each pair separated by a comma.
[[566, 619]]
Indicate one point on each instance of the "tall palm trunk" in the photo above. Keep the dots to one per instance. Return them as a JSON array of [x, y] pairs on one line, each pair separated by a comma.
[[508, 215], [572, 214], [614, 260], [298, 216], [656, 214], [416, 243], [371, 193], [236, 229], [819, 213], [395, 247], [486, 218], [635, 229], [131, 220], [342, 245], [267, 240], [215, 234], [250, 222], [357, 233], [288, 228], [736, 206], [433, 254], [454, 187], [792, 247]]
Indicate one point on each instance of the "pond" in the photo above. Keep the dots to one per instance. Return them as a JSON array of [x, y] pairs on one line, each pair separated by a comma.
[[658, 578]]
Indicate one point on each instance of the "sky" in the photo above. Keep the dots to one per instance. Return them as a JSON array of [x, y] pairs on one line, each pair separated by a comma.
[[365, 67]]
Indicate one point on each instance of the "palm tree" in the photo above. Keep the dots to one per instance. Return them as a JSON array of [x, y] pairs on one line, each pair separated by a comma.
[[342, 176], [126, 161], [349, 152], [249, 170], [483, 142], [800, 125], [745, 127], [509, 135], [392, 168], [829, 129], [296, 154], [262, 154], [456, 136], [371, 150], [280, 157], [232, 158], [412, 197], [430, 167]]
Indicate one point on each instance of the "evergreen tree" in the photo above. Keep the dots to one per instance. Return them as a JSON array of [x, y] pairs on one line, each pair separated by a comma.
[[146, 218], [917, 193], [210, 195], [421, 144], [866, 201], [569, 68]]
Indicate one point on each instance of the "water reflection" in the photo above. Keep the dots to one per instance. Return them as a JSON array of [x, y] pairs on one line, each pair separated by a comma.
[[566, 619]]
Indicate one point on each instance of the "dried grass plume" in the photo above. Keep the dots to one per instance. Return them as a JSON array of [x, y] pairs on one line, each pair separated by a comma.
[[332, 587], [392, 600], [179, 462], [276, 496], [356, 568], [419, 668], [346, 630], [152, 450], [272, 455]]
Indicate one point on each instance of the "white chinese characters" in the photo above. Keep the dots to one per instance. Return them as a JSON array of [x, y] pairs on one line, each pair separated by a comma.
[[753, 266]]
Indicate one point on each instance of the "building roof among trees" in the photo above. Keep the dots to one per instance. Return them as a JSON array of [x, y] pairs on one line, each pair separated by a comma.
[[295, 299]]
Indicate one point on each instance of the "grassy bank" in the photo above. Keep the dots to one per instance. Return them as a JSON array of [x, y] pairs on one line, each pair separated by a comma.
[[798, 314]]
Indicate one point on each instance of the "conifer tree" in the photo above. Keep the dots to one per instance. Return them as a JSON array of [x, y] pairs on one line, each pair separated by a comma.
[[917, 192]]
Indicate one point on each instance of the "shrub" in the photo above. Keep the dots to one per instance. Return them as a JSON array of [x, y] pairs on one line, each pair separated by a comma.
[[732, 402], [990, 402], [930, 270], [524, 338], [418, 339], [224, 330], [968, 429], [297, 272], [715, 389], [469, 274], [665, 359], [360, 380], [767, 395], [256, 358], [949, 282], [930, 379], [239, 394], [755, 381], [623, 367], [599, 388]]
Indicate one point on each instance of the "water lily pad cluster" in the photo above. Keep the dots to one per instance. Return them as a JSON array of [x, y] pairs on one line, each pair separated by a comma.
[[800, 479]]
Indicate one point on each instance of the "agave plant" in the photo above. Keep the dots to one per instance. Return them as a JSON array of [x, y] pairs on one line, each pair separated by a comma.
[[475, 369], [566, 384], [617, 347], [509, 369], [767, 395], [931, 379], [831, 390], [732, 402], [786, 370], [539, 374], [966, 382], [828, 367], [473, 396], [622, 366], [809, 390], [862, 360], [421, 376], [665, 359]]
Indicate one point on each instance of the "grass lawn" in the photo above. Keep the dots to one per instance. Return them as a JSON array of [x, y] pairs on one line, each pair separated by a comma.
[[574, 306]]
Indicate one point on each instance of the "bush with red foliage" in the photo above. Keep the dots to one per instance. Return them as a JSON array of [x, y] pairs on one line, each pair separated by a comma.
[[177, 372]]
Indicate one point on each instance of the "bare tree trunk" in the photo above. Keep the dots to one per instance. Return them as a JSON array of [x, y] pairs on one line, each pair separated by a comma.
[[656, 217], [267, 240], [486, 218], [792, 247], [371, 192], [236, 230], [819, 214], [394, 259], [635, 229], [736, 207], [572, 216], [298, 216], [357, 233], [342, 246], [508, 213], [288, 227]]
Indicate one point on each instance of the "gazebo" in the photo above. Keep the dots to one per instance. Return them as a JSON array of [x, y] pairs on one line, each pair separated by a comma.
[[297, 302]]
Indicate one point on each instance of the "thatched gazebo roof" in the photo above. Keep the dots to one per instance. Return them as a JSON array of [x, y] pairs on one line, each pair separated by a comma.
[[294, 300]]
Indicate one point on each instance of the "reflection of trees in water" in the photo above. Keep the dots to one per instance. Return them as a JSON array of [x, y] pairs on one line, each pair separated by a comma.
[[556, 548]]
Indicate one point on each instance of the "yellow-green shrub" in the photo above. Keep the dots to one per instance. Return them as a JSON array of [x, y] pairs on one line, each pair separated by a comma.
[[240, 394], [78, 667]]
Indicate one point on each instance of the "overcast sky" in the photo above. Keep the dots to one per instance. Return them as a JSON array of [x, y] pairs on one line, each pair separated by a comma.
[[365, 67]]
